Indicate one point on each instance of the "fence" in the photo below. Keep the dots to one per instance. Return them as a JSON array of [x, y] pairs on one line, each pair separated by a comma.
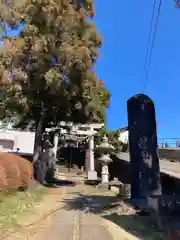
[[169, 142]]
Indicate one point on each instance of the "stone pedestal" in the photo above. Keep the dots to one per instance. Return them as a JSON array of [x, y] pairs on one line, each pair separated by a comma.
[[92, 175], [104, 174], [104, 186], [105, 171]]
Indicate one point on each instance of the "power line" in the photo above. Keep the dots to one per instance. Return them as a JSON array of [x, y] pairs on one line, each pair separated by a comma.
[[149, 39], [177, 3], [152, 45]]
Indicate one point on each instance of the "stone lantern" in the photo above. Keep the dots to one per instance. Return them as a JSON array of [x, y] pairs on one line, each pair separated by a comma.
[[105, 149]]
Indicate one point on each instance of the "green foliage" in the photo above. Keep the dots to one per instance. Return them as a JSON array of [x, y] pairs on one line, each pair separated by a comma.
[[49, 65], [112, 137]]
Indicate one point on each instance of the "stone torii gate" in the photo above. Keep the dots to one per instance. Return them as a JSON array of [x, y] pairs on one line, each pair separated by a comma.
[[87, 131]]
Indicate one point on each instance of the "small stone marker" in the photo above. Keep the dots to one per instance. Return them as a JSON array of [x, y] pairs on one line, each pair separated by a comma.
[[126, 190], [117, 184]]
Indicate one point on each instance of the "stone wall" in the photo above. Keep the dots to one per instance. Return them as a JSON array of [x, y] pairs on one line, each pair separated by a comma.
[[121, 169], [170, 154]]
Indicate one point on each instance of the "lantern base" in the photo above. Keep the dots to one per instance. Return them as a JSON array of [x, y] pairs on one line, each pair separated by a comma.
[[104, 186], [92, 175]]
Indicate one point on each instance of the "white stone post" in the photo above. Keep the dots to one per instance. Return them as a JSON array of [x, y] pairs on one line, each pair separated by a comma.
[[91, 153], [56, 138], [87, 161], [92, 174]]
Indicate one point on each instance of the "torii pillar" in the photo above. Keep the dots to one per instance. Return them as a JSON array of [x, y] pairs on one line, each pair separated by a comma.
[[55, 148], [91, 174]]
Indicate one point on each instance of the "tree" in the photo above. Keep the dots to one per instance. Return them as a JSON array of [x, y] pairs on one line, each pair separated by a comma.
[[51, 60], [46, 71], [113, 138]]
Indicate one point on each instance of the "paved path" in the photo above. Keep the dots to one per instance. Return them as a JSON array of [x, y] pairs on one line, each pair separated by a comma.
[[75, 221], [76, 225]]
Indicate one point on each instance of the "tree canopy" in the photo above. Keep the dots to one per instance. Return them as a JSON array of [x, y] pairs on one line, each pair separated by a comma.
[[113, 138], [49, 65]]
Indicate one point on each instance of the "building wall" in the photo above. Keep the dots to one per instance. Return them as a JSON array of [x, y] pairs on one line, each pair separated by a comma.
[[11, 140], [6, 144], [123, 136]]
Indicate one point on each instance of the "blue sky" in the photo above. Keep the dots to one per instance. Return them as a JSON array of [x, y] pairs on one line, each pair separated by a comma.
[[125, 29]]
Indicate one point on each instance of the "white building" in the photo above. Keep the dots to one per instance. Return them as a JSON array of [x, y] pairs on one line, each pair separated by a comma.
[[123, 135], [17, 141], [14, 140]]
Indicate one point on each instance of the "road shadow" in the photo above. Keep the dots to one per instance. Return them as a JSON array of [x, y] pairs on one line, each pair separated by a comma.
[[143, 227], [94, 203], [55, 183], [118, 211]]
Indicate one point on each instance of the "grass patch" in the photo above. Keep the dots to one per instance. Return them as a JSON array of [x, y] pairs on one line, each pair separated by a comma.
[[14, 206]]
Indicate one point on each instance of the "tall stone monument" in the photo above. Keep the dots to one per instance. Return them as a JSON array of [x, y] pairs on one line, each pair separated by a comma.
[[143, 147]]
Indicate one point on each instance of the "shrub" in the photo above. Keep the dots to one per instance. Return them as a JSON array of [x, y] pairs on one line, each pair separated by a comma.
[[15, 172]]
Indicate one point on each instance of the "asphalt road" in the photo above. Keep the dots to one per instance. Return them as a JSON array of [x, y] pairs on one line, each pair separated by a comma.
[[167, 167]]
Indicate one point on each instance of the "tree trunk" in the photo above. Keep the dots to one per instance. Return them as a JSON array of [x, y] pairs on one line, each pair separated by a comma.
[[38, 163]]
